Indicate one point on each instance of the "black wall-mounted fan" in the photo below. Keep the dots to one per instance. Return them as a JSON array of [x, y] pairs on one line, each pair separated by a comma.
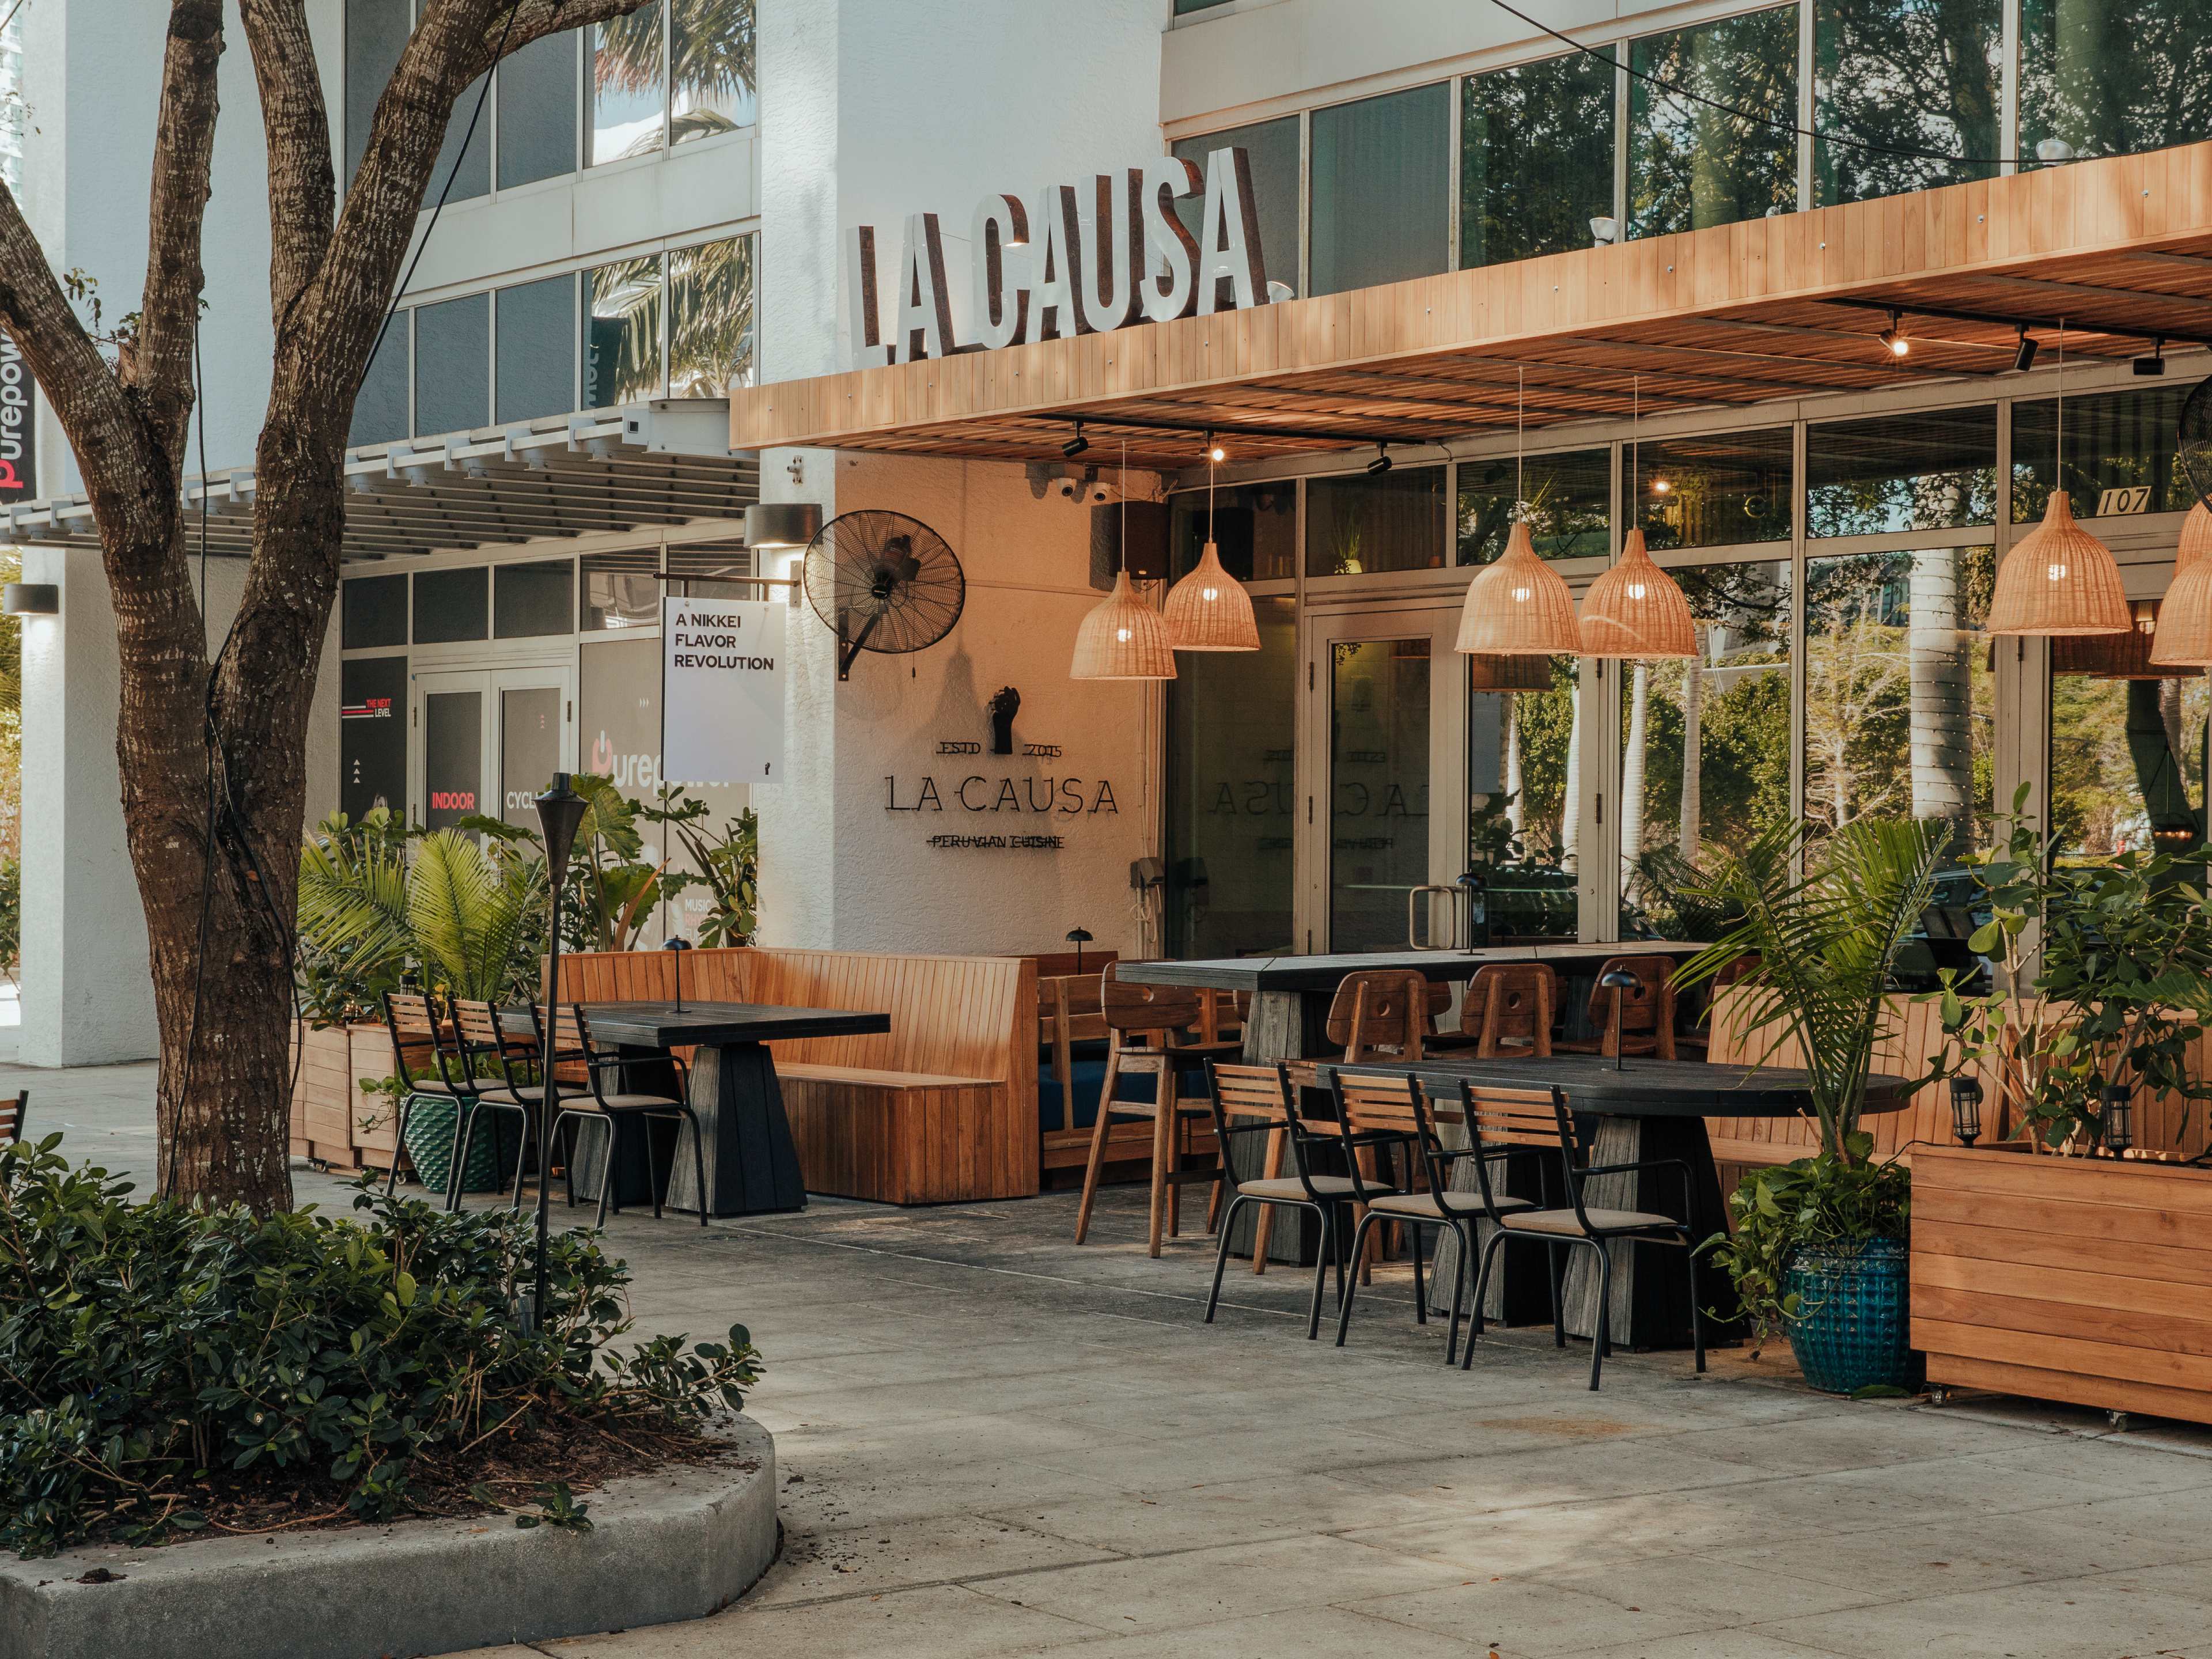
[[883, 583]]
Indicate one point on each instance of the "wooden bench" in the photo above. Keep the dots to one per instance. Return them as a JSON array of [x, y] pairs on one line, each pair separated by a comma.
[[939, 1110]]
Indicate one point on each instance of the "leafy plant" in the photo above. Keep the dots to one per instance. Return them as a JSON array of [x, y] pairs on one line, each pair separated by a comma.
[[1827, 945], [2113, 989], [727, 863], [353, 882], [157, 1360]]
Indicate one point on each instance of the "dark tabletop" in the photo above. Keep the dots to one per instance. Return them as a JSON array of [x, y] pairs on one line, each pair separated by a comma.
[[1323, 973], [720, 1024], [1651, 1088]]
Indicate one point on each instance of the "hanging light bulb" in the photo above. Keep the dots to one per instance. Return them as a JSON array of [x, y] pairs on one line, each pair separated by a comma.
[[1519, 606], [1123, 638], [1636, 609], [1209, 609], [2059, 579]]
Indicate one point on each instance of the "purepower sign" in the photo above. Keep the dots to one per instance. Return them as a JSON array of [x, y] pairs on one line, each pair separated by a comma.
[[19, 467], [722, 674]]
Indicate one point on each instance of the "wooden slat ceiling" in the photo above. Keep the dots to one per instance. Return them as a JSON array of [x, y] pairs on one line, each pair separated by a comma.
[[1789, 306]]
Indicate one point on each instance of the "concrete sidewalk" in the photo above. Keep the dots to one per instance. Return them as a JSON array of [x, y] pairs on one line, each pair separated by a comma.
[[994, 1442]]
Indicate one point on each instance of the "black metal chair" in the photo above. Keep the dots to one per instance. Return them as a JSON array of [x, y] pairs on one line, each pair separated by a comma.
[[1262, 1099], [487, 1045], [418, 1033], [1377, 1105], [1502, 1119], [573, 1042]]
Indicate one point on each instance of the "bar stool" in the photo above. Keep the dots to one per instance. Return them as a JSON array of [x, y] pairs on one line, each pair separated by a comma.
[[1634, 1019], [1144, 1024], [1508, 1010]]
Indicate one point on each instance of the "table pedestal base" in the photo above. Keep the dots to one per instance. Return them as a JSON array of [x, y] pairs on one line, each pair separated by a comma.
[[752, 1168]]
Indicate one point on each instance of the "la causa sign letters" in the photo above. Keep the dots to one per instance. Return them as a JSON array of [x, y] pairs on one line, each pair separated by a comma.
[[1052, 273]]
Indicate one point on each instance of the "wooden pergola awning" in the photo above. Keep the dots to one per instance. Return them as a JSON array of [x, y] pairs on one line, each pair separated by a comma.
[[2120, 249]]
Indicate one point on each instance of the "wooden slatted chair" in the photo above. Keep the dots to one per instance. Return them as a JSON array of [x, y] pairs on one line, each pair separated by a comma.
[[1147, 1025], [572, 1035], [503, 1066], [1393, 1108], [1502, 1119], [421, 1065], [1646, 1011], [1261, 1099], [1069, 1028], [12, 1111], [1510, 1009]]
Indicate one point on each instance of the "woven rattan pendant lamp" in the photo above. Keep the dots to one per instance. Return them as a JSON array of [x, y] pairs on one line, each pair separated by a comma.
[[1636, 609], [2184, 639], [1123, 638], [2059, 579], [1520, 607], [2196, 537], [1209, 609]]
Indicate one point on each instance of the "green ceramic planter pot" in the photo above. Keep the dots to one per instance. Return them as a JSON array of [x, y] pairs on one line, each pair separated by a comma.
[[1853, 1331], [430, 1147]]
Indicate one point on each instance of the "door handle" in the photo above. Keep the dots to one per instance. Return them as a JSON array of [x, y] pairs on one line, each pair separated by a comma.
[[1413, 918]]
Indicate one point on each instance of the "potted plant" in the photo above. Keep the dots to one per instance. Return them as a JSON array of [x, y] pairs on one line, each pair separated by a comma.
[[1818, 1246]]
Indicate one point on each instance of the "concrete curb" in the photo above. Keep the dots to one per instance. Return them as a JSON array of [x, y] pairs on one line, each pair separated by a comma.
[[680, 1543]]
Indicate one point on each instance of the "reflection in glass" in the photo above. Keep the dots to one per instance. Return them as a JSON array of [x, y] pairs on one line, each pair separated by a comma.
[[529, 750], [1690, 165], [376, 32], [622, 589], [1255, 526], [536, 103], [453, 365], [1378, 813], [1705, 753], [2127, 762], [1271, 150], [710, 318], [2100, 77], [622, 333], [379, 411], [1902, 472], [629, 86], [1901, 707], [1535, 158], [1232, 796], [471, 169], [453, 756], [1364, 523], [1381, 190], [2121, 442], [1569, 505], [710, 57], [1521, 811], [1904, 75], [1717, 491]]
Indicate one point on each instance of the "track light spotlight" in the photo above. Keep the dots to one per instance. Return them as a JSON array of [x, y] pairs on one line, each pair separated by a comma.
[[1075, 445], [2024, 358], [1380, 464], [1893, 336], [1214, 452], [2154, 364]]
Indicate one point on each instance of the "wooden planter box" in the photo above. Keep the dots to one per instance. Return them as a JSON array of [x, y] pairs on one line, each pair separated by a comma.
[[2088, 1280], [333, 1121]]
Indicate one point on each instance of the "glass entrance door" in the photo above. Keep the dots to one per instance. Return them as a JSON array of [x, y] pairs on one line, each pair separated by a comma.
[[487, 741]]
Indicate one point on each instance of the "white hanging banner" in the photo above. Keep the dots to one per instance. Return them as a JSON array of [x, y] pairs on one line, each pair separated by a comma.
[[722, 674]]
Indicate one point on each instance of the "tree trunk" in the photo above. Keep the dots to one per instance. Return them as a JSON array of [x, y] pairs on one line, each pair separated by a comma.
[[1693, 830], [1942, 698], [1632, 757], [1515, 814], [1570, 805]]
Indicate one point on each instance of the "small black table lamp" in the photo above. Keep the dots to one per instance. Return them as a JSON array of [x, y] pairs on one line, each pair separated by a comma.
[[1078, 936], [679, 945], [1621, 982]]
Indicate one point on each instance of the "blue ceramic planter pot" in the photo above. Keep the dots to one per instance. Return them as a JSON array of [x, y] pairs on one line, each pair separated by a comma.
[[1853, 1332]]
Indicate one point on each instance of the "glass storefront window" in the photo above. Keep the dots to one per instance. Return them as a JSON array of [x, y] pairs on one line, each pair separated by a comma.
[[450, 605], [1381, 190], [710, 318], [2102, 78], [537, 349], [622, 333], [372, 613], [1536, 145], [1521, 750], [379, 411], [1231, 795], [629, 84], [1366, 522], [453, 365], [1704, 742], [1569, 501], [1904, 75], [471, 169], [537, 102], [1690, 165], [2127, 762], [1902, 472], [1900, 708], [1378, 812], [376, 32], [1271, 150], [622, 589], [1720, 491], [530, 601], [1254, 529], [2119, 454], [710, 60], [453, 756], [372, 734]]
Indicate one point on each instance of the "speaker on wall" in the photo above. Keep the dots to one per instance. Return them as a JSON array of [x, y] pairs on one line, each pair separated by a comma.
[[1147, 554]]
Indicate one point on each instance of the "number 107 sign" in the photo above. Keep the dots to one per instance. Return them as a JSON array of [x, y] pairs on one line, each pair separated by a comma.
[[722, 675]]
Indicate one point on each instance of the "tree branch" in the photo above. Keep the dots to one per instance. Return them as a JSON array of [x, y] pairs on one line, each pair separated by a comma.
[[159, 366], [302, 191]]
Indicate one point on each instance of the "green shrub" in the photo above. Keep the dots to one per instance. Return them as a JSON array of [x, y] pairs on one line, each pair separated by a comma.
[[156, 1360]]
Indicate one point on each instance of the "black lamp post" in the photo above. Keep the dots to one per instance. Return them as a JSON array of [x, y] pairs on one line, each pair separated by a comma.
[[1966, 1110], [559, 811], [2120, 1118], [1621, 982]]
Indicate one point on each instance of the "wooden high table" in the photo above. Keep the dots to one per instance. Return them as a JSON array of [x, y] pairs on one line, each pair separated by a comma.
[[752, 1169]]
